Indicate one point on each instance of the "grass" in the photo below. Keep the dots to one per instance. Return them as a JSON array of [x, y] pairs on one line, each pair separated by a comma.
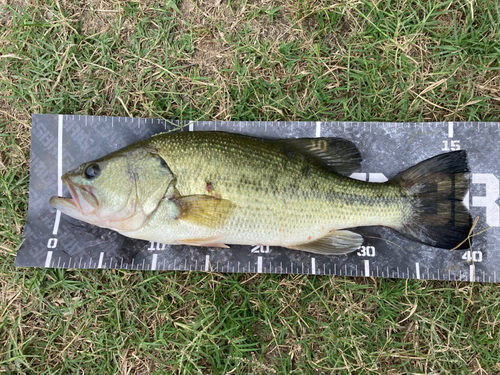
[[391, 60]]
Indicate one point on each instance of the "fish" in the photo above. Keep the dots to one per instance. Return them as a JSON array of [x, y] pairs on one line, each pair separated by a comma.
[[216, 189]]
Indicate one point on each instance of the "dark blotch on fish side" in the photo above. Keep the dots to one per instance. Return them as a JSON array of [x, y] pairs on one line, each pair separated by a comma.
[[289, 153], [306, 171]]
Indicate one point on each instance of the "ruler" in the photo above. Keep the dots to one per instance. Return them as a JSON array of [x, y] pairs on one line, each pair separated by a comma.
[[62, 142]]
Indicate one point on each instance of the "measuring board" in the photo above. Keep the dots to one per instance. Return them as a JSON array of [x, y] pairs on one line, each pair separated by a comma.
[[60, 143]]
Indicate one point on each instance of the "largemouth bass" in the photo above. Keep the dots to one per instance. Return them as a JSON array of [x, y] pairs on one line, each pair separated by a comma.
[[214, 189]]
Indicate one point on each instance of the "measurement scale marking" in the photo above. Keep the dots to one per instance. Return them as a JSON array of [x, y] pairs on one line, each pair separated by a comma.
[[259, 264], [483, 201], [101, 257], [207, 263], [318, 129], [59, 169], [48, 259], [367, 267]]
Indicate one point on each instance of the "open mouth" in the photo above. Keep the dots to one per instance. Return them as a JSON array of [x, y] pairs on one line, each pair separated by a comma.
[[81, 198], [62, 203]]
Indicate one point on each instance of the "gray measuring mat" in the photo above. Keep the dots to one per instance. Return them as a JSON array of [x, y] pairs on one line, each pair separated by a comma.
[[60, 143]]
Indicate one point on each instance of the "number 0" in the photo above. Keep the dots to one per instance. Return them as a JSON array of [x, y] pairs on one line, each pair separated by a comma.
[[52, 243]]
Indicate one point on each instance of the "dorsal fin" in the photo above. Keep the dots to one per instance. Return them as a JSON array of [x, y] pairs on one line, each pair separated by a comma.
[[337, 154]]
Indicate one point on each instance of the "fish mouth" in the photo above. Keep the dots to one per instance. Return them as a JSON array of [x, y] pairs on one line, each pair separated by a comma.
[[82, 199]]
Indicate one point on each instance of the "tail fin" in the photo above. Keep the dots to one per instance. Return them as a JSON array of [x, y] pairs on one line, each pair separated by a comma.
[[436, 188]]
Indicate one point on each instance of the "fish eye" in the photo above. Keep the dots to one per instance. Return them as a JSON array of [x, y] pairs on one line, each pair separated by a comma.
[[92, 171]]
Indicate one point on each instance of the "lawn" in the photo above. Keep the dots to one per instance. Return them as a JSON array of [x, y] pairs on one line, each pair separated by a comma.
[[364, 60]]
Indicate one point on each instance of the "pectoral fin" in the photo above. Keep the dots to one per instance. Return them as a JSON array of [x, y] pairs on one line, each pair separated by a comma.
[[337, 243], [214, 241], [203, 210]]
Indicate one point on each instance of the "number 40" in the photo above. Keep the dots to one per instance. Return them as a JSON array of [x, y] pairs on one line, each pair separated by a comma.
[[476, 256]]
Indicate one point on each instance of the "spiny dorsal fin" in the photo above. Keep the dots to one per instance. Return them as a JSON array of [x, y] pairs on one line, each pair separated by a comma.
[[337, 154], [337, 243], [203, 210]]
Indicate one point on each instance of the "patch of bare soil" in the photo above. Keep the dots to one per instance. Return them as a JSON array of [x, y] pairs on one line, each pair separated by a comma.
[[211, 53]]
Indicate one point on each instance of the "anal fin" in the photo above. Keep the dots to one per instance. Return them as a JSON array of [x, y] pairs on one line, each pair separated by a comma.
[[337, 243]]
